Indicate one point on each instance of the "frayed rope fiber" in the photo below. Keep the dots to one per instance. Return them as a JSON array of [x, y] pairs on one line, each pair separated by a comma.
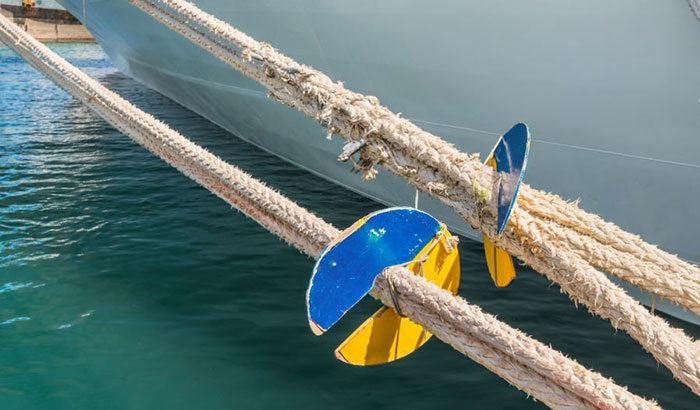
[[557, 238], [538, 370]]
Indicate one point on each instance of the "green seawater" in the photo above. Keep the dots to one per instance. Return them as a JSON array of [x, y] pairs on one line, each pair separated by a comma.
[[124, 285]]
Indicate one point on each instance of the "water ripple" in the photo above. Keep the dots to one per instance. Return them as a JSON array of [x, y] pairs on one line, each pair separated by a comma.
[[10, 286], [13, 320]]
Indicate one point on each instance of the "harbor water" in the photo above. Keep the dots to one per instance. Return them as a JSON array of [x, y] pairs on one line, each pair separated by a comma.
[[124, 285]]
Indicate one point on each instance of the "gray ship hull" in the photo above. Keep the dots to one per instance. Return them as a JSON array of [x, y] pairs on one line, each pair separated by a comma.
[[610, 91]]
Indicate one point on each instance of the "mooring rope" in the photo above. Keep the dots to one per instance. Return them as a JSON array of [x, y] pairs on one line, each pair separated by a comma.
[[557, 238], [529, 365], [429, 163]]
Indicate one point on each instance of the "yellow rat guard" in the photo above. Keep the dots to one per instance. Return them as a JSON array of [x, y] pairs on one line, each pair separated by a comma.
[[386, 336]]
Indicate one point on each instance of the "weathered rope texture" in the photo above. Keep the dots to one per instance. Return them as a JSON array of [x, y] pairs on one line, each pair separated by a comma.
[[532, 367], [429, 163], [568, 245]]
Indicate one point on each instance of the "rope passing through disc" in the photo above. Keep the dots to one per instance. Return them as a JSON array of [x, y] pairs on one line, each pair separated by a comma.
[[346, 271]]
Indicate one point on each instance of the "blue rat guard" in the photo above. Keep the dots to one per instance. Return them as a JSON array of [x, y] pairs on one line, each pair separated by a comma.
[[345, 271], [510, 154]]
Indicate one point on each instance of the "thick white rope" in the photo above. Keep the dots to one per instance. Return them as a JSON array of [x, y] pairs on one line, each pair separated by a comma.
[[568, 245], [356, 117], [534, 368], [414, 151], [457, 321]]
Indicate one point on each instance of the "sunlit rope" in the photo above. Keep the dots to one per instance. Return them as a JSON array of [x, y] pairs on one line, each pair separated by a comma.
[[526, 363], [556, 238]]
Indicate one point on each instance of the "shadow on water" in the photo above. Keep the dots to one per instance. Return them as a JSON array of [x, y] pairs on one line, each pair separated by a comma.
[[132, 287]]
